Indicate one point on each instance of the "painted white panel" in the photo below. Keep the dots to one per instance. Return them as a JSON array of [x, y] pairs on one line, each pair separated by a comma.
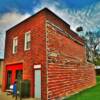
[[37, 66], [37, 83]]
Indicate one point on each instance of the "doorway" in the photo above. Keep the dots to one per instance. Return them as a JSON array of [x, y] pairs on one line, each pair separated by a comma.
[[9, 77], [38, 83]]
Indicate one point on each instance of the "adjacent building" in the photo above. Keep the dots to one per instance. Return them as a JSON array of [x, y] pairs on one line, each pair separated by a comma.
[[97, 69], [1, 71], [44, 50]]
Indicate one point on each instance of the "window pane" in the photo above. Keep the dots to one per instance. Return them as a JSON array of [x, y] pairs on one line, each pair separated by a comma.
[[15, 44], [27, 41]]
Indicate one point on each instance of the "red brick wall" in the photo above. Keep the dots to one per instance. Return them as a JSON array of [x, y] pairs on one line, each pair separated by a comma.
[[37, 53], [68, 71], [66, 80], [61, 47], [62, 24]]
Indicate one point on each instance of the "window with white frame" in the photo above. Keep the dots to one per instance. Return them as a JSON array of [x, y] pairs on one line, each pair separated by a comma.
[[27, 42], [15, 44]]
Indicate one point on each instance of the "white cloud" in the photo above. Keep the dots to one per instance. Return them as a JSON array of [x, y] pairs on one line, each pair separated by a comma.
[[7, 21], [88, 18], [10, 19]]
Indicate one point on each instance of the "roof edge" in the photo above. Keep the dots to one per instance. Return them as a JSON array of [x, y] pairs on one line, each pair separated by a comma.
[[42, 10]]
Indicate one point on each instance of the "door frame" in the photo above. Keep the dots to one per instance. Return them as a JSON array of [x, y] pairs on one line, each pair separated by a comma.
[[13, 68]]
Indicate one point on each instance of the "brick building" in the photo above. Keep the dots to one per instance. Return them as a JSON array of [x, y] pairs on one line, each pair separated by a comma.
[[45, 51]]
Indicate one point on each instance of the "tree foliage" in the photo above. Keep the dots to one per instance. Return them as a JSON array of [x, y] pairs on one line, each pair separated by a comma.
[[92, 43]]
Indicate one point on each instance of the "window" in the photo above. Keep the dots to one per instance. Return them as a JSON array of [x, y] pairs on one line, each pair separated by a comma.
[[27, 41], [15, 45]]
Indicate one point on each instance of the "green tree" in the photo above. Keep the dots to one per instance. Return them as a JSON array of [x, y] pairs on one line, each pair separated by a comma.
[[92, 44]]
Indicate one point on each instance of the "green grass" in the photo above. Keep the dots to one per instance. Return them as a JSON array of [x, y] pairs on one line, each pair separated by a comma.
[[89, 94]]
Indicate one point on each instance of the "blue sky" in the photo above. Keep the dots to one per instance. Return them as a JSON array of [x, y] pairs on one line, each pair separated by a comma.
[[85, 13], [21, 6], [24, 6]]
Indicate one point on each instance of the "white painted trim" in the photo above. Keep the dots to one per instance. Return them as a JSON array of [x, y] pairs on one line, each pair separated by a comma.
[[15, 43], [37, 66], [28, 32]]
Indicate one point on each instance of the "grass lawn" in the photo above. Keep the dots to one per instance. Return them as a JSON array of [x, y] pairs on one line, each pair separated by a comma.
[[89, 94]]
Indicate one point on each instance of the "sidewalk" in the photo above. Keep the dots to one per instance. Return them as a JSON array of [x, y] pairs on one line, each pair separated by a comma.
[[4, 96]]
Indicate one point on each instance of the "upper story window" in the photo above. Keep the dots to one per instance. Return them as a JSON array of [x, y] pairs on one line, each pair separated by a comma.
[[27, 41], [15, 45]]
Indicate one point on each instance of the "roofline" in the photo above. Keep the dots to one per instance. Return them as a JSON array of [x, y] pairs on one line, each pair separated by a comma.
[[44, 9], [77, 36], [58, 17], [68, 34], [25, 19]]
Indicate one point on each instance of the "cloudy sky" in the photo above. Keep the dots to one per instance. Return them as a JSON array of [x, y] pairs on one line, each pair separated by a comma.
[[85, 13]]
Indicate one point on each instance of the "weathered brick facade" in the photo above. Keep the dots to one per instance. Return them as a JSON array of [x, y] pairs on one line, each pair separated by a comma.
[[68, 70], [69, 79], [29, 58], [57, 49]]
